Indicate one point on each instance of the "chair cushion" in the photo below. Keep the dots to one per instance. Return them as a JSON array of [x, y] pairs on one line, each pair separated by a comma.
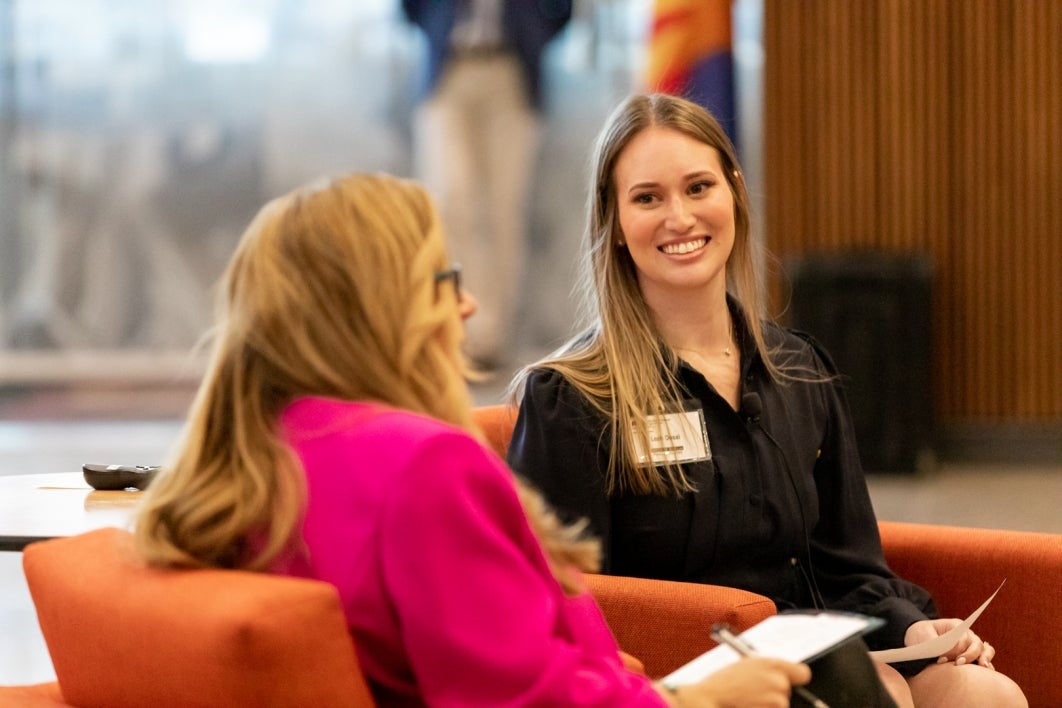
[[124, 634]]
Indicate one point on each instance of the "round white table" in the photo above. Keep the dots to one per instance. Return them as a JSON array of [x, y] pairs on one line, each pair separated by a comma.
[[34, 507]]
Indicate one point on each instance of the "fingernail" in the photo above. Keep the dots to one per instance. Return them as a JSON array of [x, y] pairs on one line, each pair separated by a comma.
[[960, 661]]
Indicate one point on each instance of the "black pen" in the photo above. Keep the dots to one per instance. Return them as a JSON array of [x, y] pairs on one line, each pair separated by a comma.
[[722, 634]]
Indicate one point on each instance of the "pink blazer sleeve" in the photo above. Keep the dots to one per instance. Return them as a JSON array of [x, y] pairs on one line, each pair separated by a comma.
[[483, 620]]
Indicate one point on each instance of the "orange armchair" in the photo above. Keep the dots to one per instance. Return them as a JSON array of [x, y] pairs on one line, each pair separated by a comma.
[[122, 634], [959, 566], [962, 566]]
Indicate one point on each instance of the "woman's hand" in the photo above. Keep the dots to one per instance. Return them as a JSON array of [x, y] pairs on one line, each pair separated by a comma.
[[756, 682], [969, 649]]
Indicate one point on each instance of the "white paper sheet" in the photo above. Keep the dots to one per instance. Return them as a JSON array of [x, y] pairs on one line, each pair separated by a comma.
[[938, 646]]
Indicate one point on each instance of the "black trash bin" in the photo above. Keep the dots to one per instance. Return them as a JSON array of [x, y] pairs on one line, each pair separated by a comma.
[[871, 310]]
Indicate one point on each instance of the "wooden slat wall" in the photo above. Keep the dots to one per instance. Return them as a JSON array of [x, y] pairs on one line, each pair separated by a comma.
[[933, 126]]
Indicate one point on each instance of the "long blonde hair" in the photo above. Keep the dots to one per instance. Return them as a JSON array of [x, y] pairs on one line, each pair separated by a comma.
[[330, 292], [616, 359]]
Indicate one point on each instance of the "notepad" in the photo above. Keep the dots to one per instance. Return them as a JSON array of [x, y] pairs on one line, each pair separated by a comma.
[[793, 636]]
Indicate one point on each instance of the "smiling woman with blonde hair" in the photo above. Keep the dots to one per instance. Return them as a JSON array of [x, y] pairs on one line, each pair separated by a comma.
[[332, 438], [701, 440]]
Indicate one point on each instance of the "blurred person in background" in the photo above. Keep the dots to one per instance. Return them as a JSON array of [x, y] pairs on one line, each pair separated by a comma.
[[476, 132]]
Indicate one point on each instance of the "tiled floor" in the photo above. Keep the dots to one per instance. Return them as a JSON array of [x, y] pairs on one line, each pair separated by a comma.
[[1024, 498]]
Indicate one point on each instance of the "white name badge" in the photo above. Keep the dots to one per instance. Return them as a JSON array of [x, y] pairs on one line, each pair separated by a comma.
[[674, 438]]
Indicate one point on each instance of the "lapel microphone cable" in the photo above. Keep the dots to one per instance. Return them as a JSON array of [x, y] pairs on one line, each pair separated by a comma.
[[752, 409]]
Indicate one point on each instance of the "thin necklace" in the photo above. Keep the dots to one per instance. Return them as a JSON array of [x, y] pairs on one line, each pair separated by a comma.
[[727, 351]]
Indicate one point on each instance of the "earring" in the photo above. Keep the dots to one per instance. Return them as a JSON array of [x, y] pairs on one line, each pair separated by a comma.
[[620, 244]]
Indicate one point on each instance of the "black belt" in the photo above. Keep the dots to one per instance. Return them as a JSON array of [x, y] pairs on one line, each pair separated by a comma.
[[482, 51]]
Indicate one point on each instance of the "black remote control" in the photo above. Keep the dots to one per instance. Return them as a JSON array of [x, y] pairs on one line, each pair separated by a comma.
[[119, 476]]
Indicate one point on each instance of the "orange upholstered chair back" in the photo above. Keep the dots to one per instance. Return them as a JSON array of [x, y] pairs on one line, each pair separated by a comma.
[[123, 634], [496, 422]]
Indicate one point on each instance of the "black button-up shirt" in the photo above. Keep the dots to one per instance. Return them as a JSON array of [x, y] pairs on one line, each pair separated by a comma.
[[781, 508]]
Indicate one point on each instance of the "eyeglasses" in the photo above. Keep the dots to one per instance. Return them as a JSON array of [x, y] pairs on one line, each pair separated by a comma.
[[454, 274]]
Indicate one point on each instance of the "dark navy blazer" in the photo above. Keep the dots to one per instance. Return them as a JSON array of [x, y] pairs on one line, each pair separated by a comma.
[[528, 26]]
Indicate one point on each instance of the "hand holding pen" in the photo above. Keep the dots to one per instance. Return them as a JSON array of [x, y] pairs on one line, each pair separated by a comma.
[[723, 635], [760, 682]]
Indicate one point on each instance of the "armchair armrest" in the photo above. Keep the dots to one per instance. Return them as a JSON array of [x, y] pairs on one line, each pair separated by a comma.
[[665, 624], [961, 567]]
